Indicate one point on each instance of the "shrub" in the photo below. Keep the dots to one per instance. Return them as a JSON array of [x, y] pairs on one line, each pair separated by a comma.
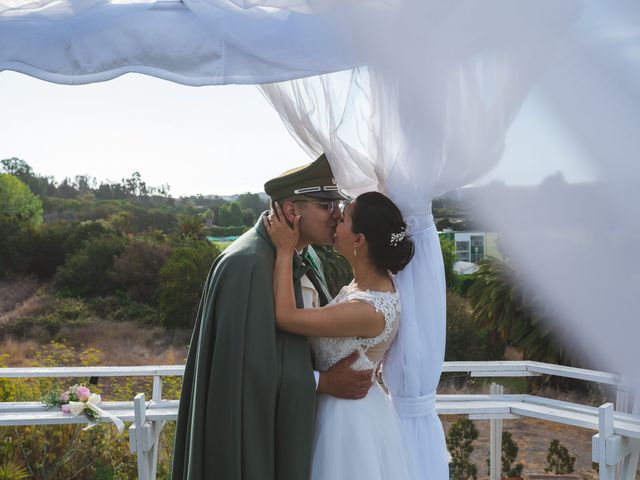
[[181, 281], [137, 269], [558, 459], [226, 231], [55, 241], [69, 312], [466, 340], [85, 273], [509, 454], [15, 246], [460, 439]]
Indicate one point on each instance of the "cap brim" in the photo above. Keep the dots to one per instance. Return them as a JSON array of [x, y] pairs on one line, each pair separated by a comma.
[[331, 195]]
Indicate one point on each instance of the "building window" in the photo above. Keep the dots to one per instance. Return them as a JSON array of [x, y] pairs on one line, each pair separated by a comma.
[[462, 251], [477, 248]]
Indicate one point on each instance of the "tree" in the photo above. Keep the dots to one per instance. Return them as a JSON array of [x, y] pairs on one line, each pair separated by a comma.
[[181, 281], [191, 226], [86, 272], [253, 202], [18, 202], [230, 215], [460, 439], [501, 303], [448, 248]]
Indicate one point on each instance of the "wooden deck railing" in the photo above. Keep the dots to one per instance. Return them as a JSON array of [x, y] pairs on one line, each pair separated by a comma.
[[618, 425]]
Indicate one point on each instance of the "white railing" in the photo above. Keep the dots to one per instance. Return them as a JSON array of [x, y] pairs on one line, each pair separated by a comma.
[[618, 425]]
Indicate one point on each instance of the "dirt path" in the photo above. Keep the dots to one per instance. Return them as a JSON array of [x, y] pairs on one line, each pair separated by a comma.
[[22, 298]]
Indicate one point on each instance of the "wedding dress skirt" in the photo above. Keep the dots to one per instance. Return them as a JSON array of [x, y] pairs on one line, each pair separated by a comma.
[[359, 440]]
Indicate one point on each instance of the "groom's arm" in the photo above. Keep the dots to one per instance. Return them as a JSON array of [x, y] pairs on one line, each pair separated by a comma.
[[342, 381]]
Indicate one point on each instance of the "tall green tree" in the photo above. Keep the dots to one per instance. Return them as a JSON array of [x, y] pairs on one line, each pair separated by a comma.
[[191, 226], [502, 303], [18, 202]]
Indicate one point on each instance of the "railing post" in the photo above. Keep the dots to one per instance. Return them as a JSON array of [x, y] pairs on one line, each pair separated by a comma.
[[142, 448], [605, 430], [630, 464], [156, 394], [495, 436]]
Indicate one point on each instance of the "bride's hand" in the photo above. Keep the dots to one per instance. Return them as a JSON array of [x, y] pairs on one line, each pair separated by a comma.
[[284, 237]]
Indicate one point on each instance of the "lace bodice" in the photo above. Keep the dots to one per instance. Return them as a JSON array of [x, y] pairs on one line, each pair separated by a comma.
[[329, 350]]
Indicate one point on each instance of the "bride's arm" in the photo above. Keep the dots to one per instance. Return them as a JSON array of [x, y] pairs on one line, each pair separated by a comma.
[[347, 319]]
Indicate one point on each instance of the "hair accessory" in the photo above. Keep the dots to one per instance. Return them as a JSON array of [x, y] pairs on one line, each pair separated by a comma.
[[396, 238]]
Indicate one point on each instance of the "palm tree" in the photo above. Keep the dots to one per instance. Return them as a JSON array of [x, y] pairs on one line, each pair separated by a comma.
[[191, 226], [501, 302]]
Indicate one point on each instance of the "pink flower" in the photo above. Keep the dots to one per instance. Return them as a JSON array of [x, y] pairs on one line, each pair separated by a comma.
[[83, 394], [66, 409], [65, 396]]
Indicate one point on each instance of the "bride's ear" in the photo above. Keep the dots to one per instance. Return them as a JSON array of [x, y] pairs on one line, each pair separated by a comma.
[[359, 240]]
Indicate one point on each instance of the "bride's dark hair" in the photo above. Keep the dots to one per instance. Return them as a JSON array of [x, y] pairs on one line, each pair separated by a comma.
[[380, 221]]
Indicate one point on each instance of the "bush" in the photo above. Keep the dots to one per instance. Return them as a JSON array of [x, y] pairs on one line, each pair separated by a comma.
[[181, 281], [460, 439], [227, 231], [69, 312], [15, 246], [137, 269], [85, 273], [558, 459], [509, 454], [466, 340]]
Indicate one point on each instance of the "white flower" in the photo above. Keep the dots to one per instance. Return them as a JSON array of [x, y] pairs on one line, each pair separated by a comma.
[[76, 408]]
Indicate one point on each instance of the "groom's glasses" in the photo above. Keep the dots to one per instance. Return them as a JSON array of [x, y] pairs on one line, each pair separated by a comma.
[[329, 206]]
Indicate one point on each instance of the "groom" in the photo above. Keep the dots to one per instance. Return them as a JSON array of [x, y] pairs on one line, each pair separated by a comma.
[[248, 397]]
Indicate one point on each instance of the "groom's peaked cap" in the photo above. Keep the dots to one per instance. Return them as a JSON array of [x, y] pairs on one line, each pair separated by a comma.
[[312, 180]]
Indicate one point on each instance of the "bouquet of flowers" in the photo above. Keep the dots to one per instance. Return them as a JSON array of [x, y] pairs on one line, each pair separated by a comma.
[[78, 400]]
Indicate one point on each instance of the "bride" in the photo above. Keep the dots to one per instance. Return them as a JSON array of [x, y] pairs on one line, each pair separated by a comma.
[[354, 439]]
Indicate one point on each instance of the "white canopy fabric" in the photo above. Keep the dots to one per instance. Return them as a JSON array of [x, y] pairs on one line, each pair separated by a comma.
[[412, 98], [194, 43]]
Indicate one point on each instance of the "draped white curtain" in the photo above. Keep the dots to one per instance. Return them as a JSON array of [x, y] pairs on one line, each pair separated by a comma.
[[419, 121], [412, 98]]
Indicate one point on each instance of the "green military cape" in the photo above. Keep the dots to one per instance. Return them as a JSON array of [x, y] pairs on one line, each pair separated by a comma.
[[248, 399]]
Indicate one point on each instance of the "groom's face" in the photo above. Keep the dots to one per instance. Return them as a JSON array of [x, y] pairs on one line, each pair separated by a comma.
[[317, 221]]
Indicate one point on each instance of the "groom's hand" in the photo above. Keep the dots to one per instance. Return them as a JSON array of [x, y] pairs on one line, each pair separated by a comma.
[[344, 382]]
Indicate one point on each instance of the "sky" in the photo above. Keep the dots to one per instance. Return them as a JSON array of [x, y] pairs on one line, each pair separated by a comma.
[[209, 140]]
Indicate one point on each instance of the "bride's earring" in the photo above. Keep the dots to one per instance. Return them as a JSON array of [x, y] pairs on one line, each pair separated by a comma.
[[355, 252]]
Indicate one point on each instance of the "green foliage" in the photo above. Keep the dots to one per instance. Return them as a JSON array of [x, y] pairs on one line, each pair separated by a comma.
[[449, 258], [227, 231], [252, 202], [137, 269], [466, 339], [509, 454], [12, 471], [460, 439], [558, 459], [55, 241], [86, 272], [182, 279], [191, 227], [230, 215], [68, 312], [17, 201], [15, 246], [61, 452], [337, 270], [501, 303]]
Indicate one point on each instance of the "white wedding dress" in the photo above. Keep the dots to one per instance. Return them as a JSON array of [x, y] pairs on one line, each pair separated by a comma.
[[359, 439]]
